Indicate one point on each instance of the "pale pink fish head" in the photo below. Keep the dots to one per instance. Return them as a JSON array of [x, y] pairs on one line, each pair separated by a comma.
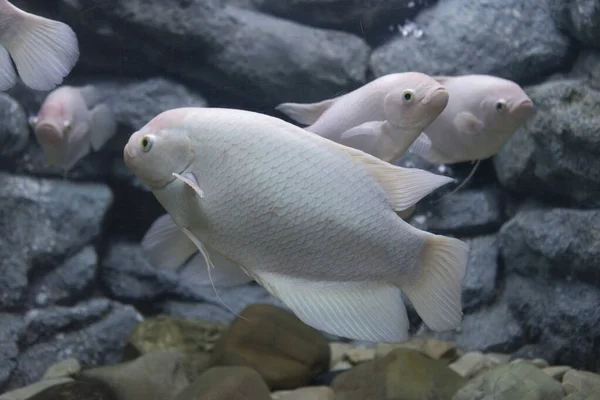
[[415, 101], [160, 148], [53, 124]]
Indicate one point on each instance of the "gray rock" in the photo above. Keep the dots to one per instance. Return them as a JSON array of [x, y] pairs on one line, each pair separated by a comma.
[[245, 54], [554, 156], [12, 328], [14, 129], [479, 284], [42, 222], [361, 17], [513, 39], [466, 213], [563, 316], [553, 244], [587, 66], [67, 283], [581, 18], [197, 310], [98, 343], [492, 329]]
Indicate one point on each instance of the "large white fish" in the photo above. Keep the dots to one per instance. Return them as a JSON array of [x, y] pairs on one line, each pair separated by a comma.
[[43, 50], [482, 113], [383, 117], [309, 219], [71, 122]]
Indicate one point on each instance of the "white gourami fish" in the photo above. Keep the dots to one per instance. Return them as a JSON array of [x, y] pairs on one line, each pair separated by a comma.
[[383, 117], [166, 246], [71, 122], [309, 219], [482, 114], [43, 50]]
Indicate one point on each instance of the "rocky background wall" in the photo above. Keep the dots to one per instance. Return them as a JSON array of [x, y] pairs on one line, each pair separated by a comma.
[[75, 285]]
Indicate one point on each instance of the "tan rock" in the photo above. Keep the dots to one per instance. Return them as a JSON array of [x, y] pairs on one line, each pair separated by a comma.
[[469, 365], [338, 352], [307, 393], [29, 391], [580, 381], [360, 355], [557, 371], [62, 369]]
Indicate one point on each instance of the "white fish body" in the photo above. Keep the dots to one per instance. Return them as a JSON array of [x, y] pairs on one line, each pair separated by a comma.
[[311, 220], [71, 122], [483, 112], [43, 50], [383, 117]]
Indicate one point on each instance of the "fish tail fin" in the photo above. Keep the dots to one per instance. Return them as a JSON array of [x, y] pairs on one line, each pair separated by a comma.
[[435, 289], [43, 50], [8, 76]]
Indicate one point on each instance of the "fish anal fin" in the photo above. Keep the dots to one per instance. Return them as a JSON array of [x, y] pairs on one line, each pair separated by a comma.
[[165, 245], [436, 287], [307, 113], [372, 311], [103, 126]]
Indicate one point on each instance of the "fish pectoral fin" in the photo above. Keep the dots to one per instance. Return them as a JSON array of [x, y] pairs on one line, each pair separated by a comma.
[[165, 245], [77, 146], [436, 288], [34, 41], [103, 127], [8, 75], [226, 273], [372, 311], [306, 114], [468, 123], [421, 146], [189, 179], [364, 137]]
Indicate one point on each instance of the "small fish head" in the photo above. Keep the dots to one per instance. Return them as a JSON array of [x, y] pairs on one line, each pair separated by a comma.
[[506, 108], [415, 101], [158, 150]]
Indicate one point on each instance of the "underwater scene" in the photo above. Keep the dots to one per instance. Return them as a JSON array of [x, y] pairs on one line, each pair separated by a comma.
[[299, 200]]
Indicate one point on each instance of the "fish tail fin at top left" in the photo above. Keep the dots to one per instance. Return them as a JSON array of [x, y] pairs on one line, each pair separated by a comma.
[[435, 289], [43, 50]]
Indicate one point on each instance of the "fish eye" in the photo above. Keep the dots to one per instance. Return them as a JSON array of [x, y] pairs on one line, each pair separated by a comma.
[[146, 144], [500, 105], [67, 126], [408, 95]]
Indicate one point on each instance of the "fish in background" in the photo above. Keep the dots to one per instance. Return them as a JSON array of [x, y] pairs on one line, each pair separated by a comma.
[[384, 117], [483, 112], [166, 246], [311, 220], [71, 122], [43, 50]]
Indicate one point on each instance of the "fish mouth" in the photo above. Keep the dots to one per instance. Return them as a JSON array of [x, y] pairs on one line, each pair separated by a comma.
[[48, 132], [439, 93]]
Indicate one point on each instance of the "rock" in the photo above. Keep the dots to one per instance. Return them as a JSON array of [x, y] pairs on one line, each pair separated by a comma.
[[43, 221], [436, 349], [286, 352], [227, 383], [156, 375], [67, 283], [12, 328], [509, 382], [580, 381], [529, 45], [553, 244], [307, 393], [198, 310], [479, 284], [466, 213], [224, 48], [580, 396], [327, 378], [536, 362], [581, 18], [532, 351], [338, 352], [28, 392], [587, 66], [97, 343], [557, 371], [553, 156], [550, 311], [77, 390], [14, 130], [363, 18], [195, 338], [62, 369], [360, 355], [402, 374], [491, 328], [470, 364]]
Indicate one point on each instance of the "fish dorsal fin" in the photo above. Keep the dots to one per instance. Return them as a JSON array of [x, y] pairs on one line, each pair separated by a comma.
[[443, 79], [308, 113], [404, 186]]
